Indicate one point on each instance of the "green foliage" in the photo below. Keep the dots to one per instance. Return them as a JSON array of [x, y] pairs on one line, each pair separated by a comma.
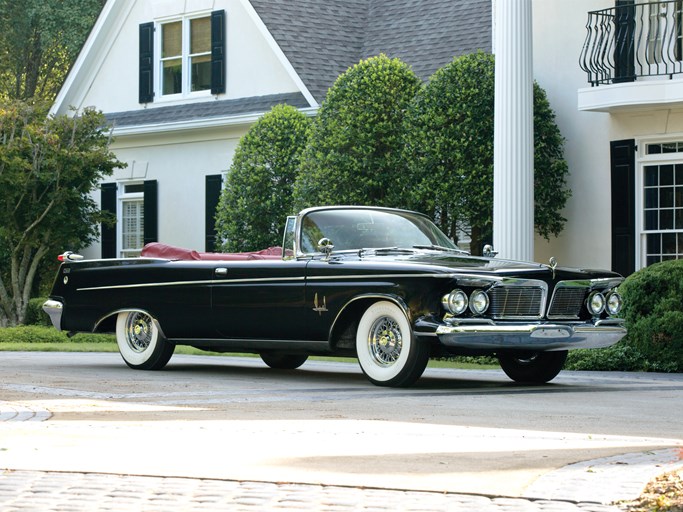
[[258, 192], [449, 150], [34, 334], [653, 309], [39, 40], [355, 152], [48, 168], [35, 314]]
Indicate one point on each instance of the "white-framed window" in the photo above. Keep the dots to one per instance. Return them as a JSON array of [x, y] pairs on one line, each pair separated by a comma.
[[132, 220], [659, 182], [185, 56]]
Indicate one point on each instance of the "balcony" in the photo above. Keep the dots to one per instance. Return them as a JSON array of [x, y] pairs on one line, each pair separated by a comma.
[[633, 57]]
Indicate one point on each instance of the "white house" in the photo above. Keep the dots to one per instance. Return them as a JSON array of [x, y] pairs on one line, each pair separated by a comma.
[[182, 80]]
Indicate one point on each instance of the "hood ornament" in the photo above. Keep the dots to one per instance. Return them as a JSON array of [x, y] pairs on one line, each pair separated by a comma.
[[552, 265]]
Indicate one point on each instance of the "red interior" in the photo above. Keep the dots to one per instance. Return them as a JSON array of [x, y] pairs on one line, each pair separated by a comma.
[[159, 250]]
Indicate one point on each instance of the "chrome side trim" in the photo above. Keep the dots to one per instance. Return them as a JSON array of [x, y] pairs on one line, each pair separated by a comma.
[[268, 279]]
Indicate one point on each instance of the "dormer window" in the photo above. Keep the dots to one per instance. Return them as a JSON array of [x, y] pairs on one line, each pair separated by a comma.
[[185, 56], [191, 57]]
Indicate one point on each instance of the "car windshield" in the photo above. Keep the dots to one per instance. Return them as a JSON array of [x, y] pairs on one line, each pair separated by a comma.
[[355, 229]]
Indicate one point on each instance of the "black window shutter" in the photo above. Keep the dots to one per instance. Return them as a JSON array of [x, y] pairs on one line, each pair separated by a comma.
[[214, 185], [146, 63], [108, 204], [151, 227], [218, 55], [623, 175]]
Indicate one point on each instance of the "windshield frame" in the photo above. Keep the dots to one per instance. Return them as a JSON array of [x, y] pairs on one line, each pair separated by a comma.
[[306, 246]]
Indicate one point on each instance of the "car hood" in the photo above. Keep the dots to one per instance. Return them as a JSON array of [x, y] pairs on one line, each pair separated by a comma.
[[454, 262]]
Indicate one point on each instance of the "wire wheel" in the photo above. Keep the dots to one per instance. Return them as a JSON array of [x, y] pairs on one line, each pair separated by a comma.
[[141, 343], [385, 341], [387, 350], [138, 332]]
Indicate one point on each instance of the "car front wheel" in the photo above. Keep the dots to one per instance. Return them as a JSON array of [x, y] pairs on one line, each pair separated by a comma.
[[141, 344], [387, 350], [532, 367]]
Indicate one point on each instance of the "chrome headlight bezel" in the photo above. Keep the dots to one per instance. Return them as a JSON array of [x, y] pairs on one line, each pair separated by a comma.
[[479, 302], [455, 302], [614, 303], [596, 303]]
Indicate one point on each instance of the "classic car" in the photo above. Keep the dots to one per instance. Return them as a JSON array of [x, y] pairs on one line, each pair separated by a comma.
[[382, 285]]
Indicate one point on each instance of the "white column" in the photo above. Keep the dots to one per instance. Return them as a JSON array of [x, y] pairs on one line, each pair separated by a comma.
[[513, 153]]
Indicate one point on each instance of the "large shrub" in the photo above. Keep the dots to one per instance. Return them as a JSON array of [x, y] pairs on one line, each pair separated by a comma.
[[258, 192], [654, 313], [653, 310], [354, 155], [449, 151]]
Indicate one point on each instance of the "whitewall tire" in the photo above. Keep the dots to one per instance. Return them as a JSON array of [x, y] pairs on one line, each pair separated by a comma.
[[141, 344], [387, 350]]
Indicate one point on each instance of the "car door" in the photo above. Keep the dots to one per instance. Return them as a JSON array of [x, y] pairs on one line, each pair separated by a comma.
[[259, 299]]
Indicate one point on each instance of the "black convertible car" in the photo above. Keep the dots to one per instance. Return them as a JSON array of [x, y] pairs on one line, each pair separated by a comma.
[[383, 285]]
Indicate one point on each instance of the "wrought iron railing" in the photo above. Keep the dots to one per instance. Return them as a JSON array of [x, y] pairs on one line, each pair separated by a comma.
[[631, 41]]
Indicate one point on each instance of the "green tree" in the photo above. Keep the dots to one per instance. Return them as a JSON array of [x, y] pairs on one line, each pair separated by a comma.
[[258, 192], [355, 152], [48, 169], [39, 41], [449, 150]]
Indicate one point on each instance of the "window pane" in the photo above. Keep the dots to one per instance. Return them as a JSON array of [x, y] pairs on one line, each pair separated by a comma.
[[666, 175], [669, 243], [201, 73], [651, 176], [654, 243], [679, 174], [666, 219], [172, 76], [651, 260], [651, 198], [200, 35], [654, 149], [651, 219], [132, 225], [172, 39], [666, 197]]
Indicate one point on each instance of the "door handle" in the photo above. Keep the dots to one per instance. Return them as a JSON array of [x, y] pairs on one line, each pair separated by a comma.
[[221, 271]]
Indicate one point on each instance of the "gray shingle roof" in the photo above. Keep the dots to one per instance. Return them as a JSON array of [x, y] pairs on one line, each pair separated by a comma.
[[204, 110], [324, 38]]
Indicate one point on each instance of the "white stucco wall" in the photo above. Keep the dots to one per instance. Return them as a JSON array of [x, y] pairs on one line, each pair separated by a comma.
[[559, 32], [111, 81], [179, 162]]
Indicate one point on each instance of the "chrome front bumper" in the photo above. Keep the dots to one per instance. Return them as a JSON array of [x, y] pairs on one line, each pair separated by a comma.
[[54, 310], [532, 336]]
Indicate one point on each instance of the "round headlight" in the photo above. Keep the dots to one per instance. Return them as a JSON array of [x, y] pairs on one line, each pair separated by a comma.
[[455, 302], [614, 303], [479, 302], [596, 303]]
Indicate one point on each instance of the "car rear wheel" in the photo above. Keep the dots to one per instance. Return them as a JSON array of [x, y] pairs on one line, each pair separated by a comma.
[[283, 361], [387, 350], [141, 343], [532, 367]]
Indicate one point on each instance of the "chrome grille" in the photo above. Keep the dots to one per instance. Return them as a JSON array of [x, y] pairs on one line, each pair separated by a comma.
[[567, 302], [516, 301]]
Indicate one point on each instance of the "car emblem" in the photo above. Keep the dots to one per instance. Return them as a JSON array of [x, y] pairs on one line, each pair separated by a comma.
[[552, 265], [320, 308]]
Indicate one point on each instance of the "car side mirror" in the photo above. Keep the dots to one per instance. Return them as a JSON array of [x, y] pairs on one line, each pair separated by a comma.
[[489, 252], [325, 246]]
